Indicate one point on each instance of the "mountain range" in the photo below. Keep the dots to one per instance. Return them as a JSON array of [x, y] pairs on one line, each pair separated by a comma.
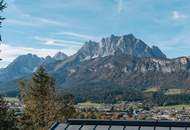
[[116, 65]]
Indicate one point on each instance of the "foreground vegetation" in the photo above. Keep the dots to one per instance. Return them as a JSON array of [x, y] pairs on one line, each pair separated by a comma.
[[43, 106], [41, 102]]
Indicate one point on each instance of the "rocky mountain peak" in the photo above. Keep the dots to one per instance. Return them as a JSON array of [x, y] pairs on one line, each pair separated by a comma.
[[22, 65], [60, 56], [129, 36], [48, 57], [116, 45], [28, 60]]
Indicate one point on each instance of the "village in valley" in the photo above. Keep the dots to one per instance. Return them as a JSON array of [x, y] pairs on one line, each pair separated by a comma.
[[119, 111]]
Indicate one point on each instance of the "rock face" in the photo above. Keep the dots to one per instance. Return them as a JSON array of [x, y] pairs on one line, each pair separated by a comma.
[[115, 75], [117, 45], [128, 71], [110, 46], [50, 62]]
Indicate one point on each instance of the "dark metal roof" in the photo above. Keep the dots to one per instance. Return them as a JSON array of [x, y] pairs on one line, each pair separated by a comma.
[[75, 124]]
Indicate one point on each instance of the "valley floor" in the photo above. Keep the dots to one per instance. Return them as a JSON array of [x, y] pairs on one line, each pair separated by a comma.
[[123, 110]]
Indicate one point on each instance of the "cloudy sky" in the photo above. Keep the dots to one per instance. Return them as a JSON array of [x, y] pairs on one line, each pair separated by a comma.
[[44, 27]]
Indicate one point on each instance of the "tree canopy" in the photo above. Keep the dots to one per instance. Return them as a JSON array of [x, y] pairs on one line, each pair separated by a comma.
[[43, 106]]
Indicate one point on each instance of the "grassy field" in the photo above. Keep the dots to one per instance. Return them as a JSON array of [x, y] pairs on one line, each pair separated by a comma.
[[176, 107], [174, 91], [151, 90], [166, 92], [89, 104]]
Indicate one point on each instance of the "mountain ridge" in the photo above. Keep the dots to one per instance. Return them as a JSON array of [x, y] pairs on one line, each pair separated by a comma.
[[22, 65], [27, 64], [125, 61], [113, 45]]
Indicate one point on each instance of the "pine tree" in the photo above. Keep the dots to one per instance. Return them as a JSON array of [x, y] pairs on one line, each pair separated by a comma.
[[65, 107], [39, 96], [7, 117], [2, 6], [41, 101]]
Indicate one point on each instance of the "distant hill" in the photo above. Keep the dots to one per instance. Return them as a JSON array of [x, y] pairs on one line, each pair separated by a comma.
[[21, 66]]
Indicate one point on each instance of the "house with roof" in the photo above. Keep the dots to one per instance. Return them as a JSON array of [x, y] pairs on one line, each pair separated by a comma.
[[75, 124]]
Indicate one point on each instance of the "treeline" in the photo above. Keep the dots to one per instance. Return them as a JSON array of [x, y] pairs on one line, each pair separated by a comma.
[[103, 92], [108, 92], [159, 98]]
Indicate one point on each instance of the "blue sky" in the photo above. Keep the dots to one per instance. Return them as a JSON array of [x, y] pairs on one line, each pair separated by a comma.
[[44, 27]]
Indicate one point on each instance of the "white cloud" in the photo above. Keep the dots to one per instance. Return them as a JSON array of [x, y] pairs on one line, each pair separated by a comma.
[[35, 22], [176, 15], [26, 19], [119, 6], [9, 53], [46, 21], [79, 35], [58, 42]]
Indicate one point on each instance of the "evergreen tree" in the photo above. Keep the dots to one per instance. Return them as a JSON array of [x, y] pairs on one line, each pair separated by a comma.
[[41, 101], [2, 6], [65, 107], [7, 117]]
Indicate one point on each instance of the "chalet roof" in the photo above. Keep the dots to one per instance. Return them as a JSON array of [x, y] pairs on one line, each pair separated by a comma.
[[74, 124]]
